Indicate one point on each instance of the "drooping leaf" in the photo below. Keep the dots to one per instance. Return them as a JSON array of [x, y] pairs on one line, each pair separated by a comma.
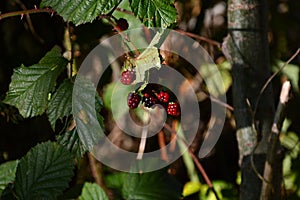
[[7, 173], [30, 86], [92, 191], [71, 141], [291, 71], [44, 172], [154, 13], [152, 185], [148, 59], [86, 105], [60, 104], [78, 11]]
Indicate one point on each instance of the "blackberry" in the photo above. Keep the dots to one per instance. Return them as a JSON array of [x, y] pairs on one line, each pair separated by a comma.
[[173, 109], [149, 100], [163, 97], [128, 77], [133, 100], [122, 24]]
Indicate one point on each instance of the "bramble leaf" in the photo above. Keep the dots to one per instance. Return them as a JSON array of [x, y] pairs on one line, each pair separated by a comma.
[[44, 172], [30, 86], [80, 12], [60, 104], [154, 13], [92, 191], [7, 173]]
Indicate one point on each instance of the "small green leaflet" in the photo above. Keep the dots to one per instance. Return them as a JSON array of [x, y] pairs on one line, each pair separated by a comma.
[[155, 13], [7, 173], [30, 86], [92, 191], [78, 11], [44, 172], [60, 104]]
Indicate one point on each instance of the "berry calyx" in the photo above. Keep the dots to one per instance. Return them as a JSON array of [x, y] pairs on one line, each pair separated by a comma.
[[173, 109], [128, 77], [133, 100], [163, 97], [122, 24], [149, 100]]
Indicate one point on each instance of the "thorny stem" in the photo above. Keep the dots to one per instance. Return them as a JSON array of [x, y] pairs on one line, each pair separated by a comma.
[[25, 12]]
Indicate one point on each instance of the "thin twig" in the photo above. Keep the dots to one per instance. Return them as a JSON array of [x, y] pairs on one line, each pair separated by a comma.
[[162, 145], [94, 169], [201, 169], [30, 25], [198, 37], [272, 77], [142, 143]]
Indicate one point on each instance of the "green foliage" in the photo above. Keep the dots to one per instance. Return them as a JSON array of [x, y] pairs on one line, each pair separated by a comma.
[[44, 172], [291, 71], [30, 86], [71, 141], [60, 104], [152, 185], [225, 191], [7, 173], [155, 13], [86, 108], [78, 11], [152, 13], [92, 191]]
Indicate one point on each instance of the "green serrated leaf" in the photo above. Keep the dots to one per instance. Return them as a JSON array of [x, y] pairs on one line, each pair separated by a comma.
[[154, 13], [30, 86], [71, 141], [44, 172], [152, 185], [7, 173], [78, 11], [86, 107], [92, 191], [60, 104]]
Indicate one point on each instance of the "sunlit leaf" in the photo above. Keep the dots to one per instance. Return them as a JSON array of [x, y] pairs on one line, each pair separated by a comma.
[[30, 86], [92, 191]]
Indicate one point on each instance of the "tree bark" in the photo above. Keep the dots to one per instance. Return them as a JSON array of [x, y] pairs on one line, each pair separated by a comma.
[[249, 57]]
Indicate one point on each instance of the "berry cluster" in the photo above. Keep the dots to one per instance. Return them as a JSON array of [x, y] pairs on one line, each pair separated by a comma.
[[128, 76], [153, 94]]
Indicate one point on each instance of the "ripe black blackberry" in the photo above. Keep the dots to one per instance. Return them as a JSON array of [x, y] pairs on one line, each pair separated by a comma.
[[173, 109], [133, 100], [149, 100], [128, 77], [122, 24]]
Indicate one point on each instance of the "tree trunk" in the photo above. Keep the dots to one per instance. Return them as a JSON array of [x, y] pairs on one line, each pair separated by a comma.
[[249, 58]]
